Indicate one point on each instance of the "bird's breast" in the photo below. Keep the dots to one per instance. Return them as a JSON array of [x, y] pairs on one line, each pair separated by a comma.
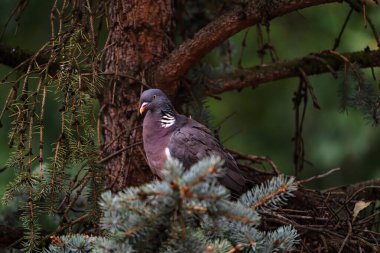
[[155, 139]]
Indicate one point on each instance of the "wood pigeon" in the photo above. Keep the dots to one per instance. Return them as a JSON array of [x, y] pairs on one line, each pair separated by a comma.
[[186, 139]]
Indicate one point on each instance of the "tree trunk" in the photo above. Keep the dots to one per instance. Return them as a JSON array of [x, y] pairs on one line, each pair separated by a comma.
[[139, 38]]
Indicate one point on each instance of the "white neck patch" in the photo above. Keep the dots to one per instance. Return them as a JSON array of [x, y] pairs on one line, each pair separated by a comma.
[[167, 120]]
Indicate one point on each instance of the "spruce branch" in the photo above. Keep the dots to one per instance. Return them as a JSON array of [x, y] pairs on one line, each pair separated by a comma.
[[181, 204], [85, 244], [171, 216], [272, 193], [77, 85], [282, 239], [356, 92]]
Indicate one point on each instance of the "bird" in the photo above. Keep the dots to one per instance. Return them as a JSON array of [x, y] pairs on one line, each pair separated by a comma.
[[165, 130]]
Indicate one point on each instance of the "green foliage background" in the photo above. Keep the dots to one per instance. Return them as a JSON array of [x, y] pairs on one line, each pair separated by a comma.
[[263, 120]]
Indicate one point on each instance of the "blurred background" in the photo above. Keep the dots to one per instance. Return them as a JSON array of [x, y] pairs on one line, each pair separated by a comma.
[[259, 121], [263, 119]]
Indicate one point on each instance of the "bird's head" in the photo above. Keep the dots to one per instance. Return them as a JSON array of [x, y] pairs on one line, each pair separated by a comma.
[[154, 100]]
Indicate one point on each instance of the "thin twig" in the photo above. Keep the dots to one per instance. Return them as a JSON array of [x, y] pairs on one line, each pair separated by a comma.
[[346, 238], [374, 31], [243, 45], [119, 151], [337, 40], [318, 176], [256, 159], [310, 88]]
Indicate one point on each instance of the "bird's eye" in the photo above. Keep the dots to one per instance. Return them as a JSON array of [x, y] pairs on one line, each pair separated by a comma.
[[154, 96]]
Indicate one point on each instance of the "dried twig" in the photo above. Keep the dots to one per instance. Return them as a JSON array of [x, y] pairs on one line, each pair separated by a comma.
[[318, 176], [337, 40], [256, 159], [346, 238], [119, 151]]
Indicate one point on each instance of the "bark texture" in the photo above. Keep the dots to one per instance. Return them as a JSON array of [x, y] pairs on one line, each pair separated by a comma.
[[139, 37]]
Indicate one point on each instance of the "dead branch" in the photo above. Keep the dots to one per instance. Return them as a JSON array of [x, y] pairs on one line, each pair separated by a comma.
[[312, 214], [256, 160], [180, 60], [318, 176], [324, 218], [372, 194], [253, 77]]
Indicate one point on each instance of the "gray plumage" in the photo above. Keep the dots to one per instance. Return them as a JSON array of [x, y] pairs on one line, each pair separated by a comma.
[[187, 140]]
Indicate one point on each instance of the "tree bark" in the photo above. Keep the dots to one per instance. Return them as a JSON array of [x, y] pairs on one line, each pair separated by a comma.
[[139, 37]]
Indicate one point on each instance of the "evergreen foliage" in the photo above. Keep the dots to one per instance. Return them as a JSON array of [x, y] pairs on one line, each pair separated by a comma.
[[85, 244], [188, 211], [356, 92], [53, 186]]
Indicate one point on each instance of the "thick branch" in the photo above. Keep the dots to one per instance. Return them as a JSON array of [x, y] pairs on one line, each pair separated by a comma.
[[180, 60], [10, 235], [14, 56], [311, 65]]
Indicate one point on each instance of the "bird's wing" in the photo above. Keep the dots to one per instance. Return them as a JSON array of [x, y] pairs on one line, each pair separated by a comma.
[[192, 142]]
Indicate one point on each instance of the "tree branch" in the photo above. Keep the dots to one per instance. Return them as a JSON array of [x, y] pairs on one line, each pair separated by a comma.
[[368, 194], [311, 65], [10, 235], [180, 60], [14, 56]]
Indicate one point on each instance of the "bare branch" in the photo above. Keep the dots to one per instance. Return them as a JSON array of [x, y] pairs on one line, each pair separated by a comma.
[[318, 176], [180, 60], [255, 76], [348, 190]]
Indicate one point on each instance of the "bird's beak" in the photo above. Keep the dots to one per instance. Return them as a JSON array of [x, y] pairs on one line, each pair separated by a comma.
[[143, 107]]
